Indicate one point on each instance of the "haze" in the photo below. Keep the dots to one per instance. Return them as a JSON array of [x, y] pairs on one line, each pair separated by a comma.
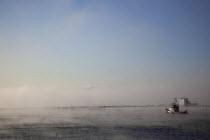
[[103, 52]]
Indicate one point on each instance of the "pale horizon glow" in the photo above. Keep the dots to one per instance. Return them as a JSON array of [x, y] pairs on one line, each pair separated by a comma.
[[87, 52]]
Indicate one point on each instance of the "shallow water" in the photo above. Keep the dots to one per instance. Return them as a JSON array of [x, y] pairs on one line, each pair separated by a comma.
[[95, 123]]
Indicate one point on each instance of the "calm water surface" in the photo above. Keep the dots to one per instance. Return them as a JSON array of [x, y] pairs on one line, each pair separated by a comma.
[[93, 123]]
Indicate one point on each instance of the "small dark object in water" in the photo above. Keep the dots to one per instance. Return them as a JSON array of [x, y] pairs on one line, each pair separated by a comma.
[[174, 108], [179, 112]]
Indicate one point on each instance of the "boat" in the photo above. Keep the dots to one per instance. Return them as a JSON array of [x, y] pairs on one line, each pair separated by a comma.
[[174, 108]]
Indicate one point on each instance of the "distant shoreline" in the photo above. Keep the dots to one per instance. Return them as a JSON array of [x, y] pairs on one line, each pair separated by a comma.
[[100, 106]]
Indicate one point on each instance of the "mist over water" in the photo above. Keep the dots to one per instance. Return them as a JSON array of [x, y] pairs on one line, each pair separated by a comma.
[[148, 122], [103, 69]]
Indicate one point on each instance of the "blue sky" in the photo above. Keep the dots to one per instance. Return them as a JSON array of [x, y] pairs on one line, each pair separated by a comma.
[[103, 52]]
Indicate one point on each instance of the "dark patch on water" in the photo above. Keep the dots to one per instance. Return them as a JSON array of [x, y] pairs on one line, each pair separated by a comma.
[[128, 123], [196, 125], [95, 133]]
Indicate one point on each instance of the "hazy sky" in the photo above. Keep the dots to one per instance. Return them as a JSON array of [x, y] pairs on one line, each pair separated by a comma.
[[103, 52]]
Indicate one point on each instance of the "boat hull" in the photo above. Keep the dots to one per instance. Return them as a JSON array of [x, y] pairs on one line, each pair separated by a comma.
[[173, 112]]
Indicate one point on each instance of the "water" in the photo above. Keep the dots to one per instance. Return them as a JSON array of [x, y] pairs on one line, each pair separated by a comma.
[[112, 123]]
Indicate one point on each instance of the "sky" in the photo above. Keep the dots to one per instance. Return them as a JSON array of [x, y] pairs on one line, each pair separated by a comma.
[[103, 52]]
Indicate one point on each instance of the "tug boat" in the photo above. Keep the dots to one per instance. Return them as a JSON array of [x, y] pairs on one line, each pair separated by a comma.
[[174, 108]]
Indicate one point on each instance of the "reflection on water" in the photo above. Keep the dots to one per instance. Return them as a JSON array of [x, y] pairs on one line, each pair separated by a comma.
[[103, 123]]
